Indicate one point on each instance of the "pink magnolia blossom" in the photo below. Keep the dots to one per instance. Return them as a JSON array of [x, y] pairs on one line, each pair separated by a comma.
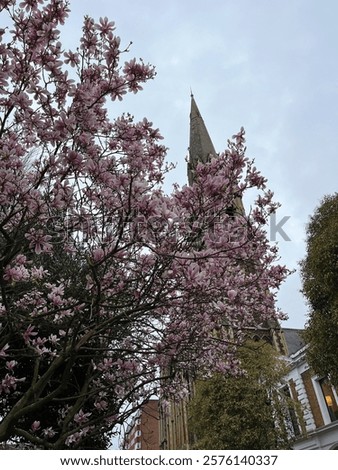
[[9, 383], [10, 365], [232, 294], [3, 350], [39, 241], [81, 417], [48, 432], [16, 273], [98, 254], [38, 273], [105, 26], [73, 439], [36, 425], [101, 405], [72, 58], [29, 333]]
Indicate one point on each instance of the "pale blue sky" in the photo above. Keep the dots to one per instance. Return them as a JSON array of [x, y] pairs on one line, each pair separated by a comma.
[[269, 65]]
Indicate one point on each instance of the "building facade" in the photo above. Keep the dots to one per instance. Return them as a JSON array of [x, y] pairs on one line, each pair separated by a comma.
[[143, 431], [317, 399], [313, 421]]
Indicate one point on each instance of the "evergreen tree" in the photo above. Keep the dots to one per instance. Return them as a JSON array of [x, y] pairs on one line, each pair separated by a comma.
[[243, 412], [319, 271]]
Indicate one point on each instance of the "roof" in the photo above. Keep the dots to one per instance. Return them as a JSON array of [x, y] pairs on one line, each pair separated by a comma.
[[201, 149], [200, 145], [294, 340]]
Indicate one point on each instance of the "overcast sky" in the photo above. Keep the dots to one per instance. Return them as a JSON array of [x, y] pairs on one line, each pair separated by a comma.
[[268, 65]]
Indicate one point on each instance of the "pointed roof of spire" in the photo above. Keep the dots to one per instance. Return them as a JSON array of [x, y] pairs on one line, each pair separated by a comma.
[[200, 146]]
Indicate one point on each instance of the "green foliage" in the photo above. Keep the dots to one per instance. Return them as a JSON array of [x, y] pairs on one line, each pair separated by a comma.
[[243, 412], [319, 272]]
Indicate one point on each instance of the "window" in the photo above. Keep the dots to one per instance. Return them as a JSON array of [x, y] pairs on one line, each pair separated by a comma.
[[291, 418], [329, 398]]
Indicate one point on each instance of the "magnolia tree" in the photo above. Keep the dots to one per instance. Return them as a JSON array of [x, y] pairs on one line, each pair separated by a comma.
[[109, 286]]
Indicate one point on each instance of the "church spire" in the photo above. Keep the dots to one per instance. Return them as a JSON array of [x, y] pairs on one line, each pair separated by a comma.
[[200, 146], [201, 149]]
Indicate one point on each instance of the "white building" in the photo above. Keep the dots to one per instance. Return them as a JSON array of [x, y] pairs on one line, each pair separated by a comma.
[[317, 428]]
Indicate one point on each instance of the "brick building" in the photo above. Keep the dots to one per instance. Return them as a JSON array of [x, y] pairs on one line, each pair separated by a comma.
[[143, 431]]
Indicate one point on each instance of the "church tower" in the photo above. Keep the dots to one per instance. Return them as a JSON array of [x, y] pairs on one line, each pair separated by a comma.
[[201, 148], [174, 427]]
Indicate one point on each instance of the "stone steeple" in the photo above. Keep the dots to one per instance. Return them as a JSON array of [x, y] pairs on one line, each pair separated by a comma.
[[201, 149], [200, 145], [175, 427]]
